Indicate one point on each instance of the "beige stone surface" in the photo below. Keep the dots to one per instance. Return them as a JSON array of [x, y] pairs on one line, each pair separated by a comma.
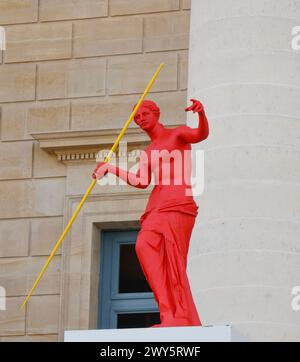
[[265, 68], [42, 314], [256, 267], [108, 36], [248, 97], [13, 275], [222, 41], [43, 197], [250, 234], [252, 162], [235, 309], [241, 195], [76, 185], [13, 121], [14, 238], [281, 126], [47, 116], [50, 284], [20, 119], [45, 164], [238, 10], [76, 78], [167, 31], [16, 160], [31, 338], [38, 42], [12, 321], [44, 235], [18, 11], [183, 67], [51, 10], [124, 7], [266, 332], [123, 71], [101, 113], [17, 82], [186, 4], [17, 275]]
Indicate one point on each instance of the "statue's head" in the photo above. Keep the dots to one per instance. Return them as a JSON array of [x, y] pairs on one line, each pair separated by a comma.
[[147, 115]]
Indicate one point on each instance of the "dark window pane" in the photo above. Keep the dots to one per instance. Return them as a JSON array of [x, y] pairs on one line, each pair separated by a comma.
[[137, 320], [131, 276]]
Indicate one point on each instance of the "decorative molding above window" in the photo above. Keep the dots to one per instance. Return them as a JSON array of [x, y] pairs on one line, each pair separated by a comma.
[[78, 145]]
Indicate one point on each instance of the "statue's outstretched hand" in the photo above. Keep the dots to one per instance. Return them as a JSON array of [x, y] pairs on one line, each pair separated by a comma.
[[101, 170], [195, 107]]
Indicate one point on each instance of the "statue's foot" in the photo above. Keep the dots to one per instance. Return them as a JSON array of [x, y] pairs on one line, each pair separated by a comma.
[[174, 322], [156, 325]]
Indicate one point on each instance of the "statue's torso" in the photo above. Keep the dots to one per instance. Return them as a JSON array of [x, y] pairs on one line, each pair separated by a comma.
[[170, 161]]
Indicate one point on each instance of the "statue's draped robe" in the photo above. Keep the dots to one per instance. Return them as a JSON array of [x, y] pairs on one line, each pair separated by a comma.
[[172, 224]]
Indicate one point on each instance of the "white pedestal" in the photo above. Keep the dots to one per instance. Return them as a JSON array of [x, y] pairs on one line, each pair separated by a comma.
[[166, 334]]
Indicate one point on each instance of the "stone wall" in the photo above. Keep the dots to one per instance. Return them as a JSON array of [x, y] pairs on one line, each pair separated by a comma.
[[69, 65]]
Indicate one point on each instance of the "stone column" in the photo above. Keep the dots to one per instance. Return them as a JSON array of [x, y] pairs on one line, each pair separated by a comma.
[[244, 259]]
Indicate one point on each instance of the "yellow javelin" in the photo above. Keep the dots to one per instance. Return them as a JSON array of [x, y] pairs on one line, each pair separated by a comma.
[[107, 158]]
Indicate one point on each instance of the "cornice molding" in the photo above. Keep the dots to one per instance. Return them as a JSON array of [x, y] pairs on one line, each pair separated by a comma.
[[83, 145]]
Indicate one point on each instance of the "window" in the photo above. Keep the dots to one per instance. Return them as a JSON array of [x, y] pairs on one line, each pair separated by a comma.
[[125, 298]]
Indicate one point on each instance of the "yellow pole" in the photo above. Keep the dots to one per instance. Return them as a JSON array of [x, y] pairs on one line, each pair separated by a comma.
[[107, 158]]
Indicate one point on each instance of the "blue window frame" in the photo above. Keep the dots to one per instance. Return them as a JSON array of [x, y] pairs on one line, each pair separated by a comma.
[[125, 298]]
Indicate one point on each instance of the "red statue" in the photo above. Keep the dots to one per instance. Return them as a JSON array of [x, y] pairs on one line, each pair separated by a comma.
[[166, 225]]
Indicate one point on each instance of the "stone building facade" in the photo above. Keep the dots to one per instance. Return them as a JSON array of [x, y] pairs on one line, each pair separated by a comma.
[[71, 72]]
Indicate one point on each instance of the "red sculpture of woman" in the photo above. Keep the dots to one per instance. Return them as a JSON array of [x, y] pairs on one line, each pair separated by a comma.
[[166, 225]]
